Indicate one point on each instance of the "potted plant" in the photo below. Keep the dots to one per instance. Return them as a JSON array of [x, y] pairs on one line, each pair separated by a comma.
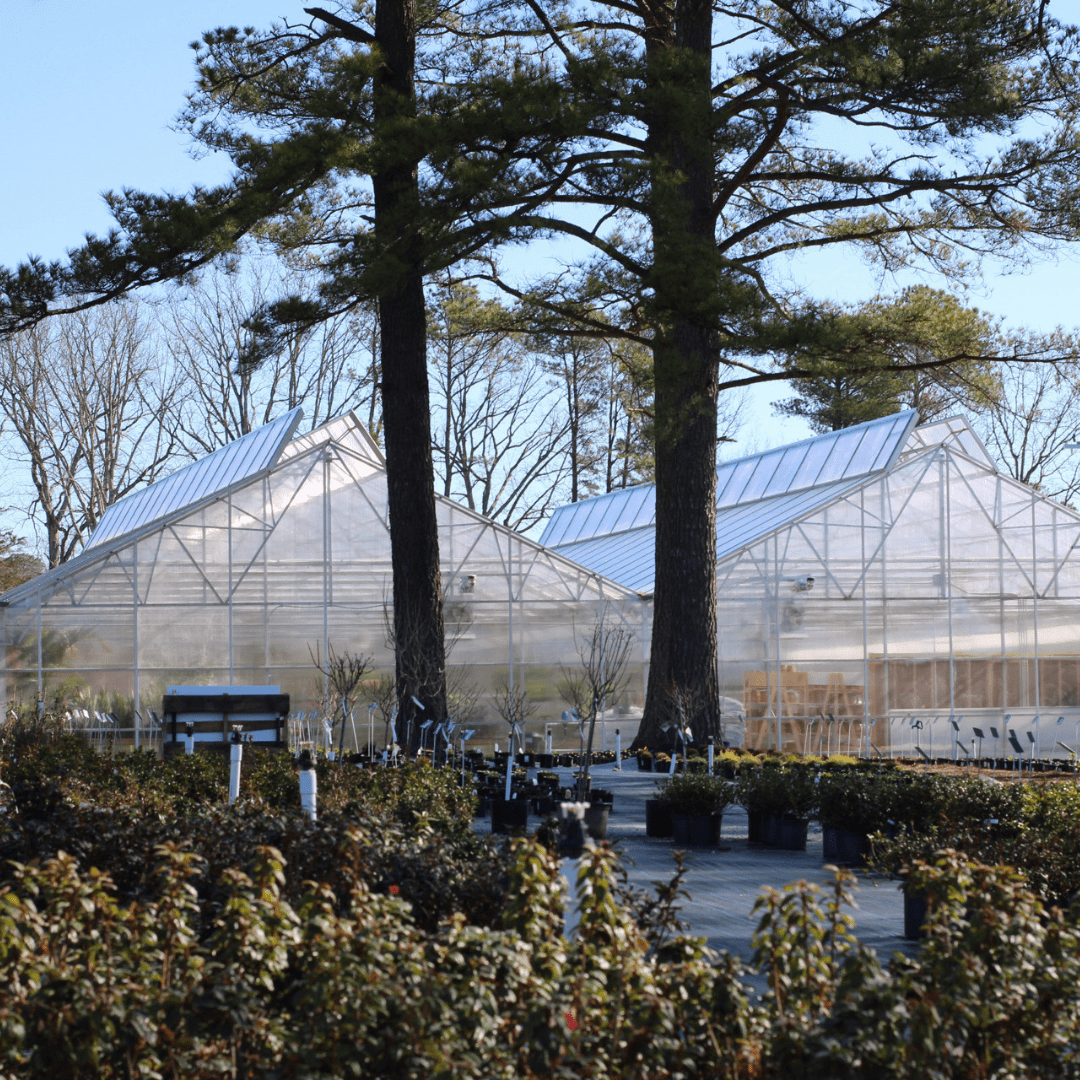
[[509, 814], [727, 764], [644, 760], [596, 819], [658, 817], [697, 805], [782, 797], [850, 807], [753, 792]]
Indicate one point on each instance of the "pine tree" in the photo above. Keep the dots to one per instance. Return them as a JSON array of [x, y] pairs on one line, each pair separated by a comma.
[[382, 165], [923, 350], [914, 132]]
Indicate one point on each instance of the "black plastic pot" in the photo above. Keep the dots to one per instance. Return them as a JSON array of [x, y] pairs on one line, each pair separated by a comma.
[[680, 828], [791, 833], [657, 817], [755, 826], [704, 830], [544, 805], [644, 764], [508, 814], [547, 761], [915, 908], [851, 847], [830, 848], [596, 818], [770, 834]]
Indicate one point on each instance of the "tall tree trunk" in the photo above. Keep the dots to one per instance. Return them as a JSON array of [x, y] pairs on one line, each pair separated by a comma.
[[683, 672], [410, 475]]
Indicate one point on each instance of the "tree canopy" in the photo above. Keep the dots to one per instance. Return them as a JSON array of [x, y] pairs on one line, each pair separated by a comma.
[[741, 135], [923, 350]]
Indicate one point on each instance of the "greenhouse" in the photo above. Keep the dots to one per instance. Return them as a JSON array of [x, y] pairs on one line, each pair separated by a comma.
[[236, 570], [884, 588]]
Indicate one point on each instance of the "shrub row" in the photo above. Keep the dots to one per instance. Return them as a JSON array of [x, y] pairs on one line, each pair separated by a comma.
[[354, 986]]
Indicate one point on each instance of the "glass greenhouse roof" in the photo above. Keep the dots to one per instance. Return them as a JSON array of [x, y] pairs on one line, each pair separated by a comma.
[[247, 457], [824, 460], [630, 557], [953, 431]]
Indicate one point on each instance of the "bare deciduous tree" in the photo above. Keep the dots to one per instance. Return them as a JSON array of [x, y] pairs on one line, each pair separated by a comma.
[[83, 399], [1029, 427], [600, 677], [326, 369], [343, 672], [498, 435], [513, 705]]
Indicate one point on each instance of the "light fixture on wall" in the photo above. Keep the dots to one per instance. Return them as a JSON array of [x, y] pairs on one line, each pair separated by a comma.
[[468, 583], [803, 584]]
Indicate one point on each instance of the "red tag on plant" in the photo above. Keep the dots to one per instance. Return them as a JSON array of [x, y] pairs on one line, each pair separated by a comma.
[[571, 1023], [393, 890]]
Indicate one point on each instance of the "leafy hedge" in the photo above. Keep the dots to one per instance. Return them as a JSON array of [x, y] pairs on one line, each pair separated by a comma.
[[1035, 828], [354, 986], [148, 931]]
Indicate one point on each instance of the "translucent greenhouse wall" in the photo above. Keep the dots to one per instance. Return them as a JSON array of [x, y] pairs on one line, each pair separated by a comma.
[[243, 587], [942, 592]]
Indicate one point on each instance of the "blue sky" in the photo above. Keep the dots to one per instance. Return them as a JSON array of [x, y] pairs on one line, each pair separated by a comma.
[[90, 89]]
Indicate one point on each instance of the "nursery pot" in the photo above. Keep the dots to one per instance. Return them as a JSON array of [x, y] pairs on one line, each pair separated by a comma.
[[596, 815], [544, 805], [705, 830], [547, 761], [851, 847], [644, 764], [915, 907], [771, 832], [755, 826], [657, 817], [830, 847], [792, 833], [507, 814], [680, 828]]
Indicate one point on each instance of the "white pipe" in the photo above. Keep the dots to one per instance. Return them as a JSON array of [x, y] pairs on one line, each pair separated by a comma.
[[618, 751], [710, 758], [309, 793], [548, 741], [509, 769], [236, 754], [189, 744]]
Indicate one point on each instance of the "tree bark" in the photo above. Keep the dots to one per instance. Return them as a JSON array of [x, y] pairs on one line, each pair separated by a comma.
[[686, 359], [410, 477]]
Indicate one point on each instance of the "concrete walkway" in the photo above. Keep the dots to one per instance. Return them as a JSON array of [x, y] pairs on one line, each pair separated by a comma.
[[723, 884]]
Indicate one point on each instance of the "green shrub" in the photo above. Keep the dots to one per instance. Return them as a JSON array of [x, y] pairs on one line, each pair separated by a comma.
[[695, 794], [777, 788]]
